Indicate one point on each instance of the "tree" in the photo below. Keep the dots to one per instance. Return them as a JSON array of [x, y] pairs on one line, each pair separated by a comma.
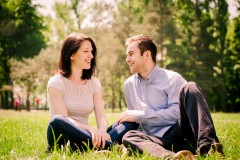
[[221, 20], [231, 59], [204, 23], [20, 36], [26, 77], [69, 17], [33, 77], [126, 19]]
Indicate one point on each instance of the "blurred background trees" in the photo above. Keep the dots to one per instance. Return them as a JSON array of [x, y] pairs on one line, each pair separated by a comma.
[[20, 36], [198, 39]]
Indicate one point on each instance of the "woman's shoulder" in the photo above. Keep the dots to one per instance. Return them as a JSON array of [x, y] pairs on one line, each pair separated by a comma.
[[55, 80], [96, 84], [56, 77], [94, 79]]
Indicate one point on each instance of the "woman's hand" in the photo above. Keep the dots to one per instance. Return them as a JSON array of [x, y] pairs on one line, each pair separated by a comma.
[[105, 136], [101, 117], [96, 137]]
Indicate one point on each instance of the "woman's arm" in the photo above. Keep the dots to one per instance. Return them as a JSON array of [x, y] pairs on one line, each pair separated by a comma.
[[101, 116], [58, 106], [57, 102]]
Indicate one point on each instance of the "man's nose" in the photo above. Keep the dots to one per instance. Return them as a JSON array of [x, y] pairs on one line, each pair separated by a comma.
[[127, 59]]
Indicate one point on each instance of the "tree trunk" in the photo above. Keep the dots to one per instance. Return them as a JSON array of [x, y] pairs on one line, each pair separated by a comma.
[[2, 100], [113, 94]]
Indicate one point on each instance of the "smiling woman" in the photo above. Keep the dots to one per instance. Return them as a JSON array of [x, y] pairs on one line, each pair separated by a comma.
[[78, 57], [74, 93]]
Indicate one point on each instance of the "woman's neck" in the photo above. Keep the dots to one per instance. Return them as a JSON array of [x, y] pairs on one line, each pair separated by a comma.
[[76, 76]]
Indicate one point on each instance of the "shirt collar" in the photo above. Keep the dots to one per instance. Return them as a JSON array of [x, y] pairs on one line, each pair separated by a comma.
[[151, 76]]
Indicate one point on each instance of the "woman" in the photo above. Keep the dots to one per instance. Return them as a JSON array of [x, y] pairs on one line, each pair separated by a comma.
[[73, 94]]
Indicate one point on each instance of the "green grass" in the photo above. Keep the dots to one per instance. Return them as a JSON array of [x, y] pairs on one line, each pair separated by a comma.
[[23, 136]]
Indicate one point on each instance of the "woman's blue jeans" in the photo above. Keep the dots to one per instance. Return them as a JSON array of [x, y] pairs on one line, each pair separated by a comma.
[[60, 130]]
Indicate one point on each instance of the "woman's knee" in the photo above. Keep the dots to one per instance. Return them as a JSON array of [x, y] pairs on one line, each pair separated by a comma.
[[56, 121], [57, 118]]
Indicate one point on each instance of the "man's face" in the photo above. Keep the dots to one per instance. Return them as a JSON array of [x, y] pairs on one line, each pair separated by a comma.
[[134, 59]]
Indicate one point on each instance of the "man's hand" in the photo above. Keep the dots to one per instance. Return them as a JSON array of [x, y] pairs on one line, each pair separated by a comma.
[[129, 116]]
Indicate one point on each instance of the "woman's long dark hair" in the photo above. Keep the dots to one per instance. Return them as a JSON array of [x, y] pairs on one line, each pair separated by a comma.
[[70, 46]]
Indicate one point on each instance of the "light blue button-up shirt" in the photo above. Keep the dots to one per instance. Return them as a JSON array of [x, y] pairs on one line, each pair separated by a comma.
[[156, 98]]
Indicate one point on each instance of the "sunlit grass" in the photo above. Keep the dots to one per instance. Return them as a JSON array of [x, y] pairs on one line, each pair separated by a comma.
[[23, 136], [228, 131]]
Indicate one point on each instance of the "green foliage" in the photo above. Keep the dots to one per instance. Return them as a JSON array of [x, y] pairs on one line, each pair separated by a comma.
[[195, 38], [21, 28], [20, 36], [127, 19], [160, 14], [204, 26], [63, 23], [32, 77], [26, 77], [231, 60]]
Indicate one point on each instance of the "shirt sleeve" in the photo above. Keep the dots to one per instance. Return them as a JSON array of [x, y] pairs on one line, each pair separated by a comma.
[[56, 82], [169, 114], [96, 84], [127, 96]]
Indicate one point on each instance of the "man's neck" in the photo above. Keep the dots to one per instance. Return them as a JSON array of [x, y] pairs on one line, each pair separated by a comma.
[[148, 70]]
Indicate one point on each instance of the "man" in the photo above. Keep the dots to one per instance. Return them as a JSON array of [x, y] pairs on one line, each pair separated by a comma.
[[172, 114]]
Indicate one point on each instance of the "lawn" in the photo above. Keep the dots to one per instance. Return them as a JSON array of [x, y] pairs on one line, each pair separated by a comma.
[[23, 136]]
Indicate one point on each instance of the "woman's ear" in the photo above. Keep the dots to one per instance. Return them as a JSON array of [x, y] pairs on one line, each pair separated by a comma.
[[71, 57]]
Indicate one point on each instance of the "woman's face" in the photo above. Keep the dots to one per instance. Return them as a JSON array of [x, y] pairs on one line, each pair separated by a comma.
[[82, 58]]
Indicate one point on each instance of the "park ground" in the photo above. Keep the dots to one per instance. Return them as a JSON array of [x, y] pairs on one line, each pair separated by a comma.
[[23, 136]]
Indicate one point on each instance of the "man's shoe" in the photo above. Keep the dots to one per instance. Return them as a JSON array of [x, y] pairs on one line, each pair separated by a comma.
[[122, 150], [125, 152], [48, 150], [216, 148], [184, 155]]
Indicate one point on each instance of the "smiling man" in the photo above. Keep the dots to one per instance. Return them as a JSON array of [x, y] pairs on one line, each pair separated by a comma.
[[173, 116]]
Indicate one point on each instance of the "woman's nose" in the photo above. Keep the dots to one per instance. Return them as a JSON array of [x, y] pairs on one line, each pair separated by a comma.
[[90, 55]]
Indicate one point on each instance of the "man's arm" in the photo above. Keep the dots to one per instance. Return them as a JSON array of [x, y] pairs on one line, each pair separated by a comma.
[[159, 116], [162, 116]]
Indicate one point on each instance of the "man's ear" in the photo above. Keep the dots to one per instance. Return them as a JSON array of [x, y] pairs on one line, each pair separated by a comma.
[[148, 54]]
